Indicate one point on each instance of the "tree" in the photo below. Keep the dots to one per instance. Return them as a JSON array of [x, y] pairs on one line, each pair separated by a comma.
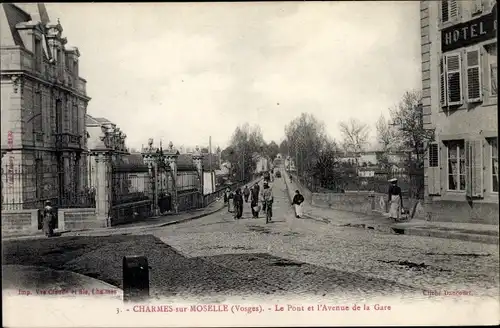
[[272, 150], [305, 138], [355, 136], [387, 135], [284, 148], [326, 170], [408, 117], [243, 144]]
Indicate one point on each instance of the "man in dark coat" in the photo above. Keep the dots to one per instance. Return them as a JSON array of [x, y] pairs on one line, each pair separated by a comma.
[[255, 200], [246, 193], [238, 204]]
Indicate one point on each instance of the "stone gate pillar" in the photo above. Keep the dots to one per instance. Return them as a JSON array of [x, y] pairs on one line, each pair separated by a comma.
[[171, 156], [198, 163], [103, 188], [151, 160]]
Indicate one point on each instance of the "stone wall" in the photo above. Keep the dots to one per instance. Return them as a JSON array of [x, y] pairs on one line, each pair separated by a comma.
[[78, 219], [363, 202], [463, 212], [19, 222], [130, 212]]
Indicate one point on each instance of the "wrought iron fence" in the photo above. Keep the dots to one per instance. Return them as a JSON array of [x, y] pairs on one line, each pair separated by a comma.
[[30, 186], [212, 197], [188, 180], [189, 200], [130, 184]]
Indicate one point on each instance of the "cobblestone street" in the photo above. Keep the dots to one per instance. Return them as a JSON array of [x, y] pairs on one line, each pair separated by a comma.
[[361, 262]]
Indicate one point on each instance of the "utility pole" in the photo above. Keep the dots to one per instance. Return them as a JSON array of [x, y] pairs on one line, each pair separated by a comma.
[[210, 163]]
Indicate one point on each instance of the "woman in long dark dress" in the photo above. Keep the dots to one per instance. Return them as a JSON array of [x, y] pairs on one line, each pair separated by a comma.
[[48, 218]]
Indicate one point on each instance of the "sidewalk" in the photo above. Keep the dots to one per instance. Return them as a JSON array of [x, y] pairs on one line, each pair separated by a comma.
[[139, 226], [483, 233]]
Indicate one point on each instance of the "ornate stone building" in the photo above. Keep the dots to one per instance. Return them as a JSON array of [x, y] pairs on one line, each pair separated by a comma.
[[43, 103]]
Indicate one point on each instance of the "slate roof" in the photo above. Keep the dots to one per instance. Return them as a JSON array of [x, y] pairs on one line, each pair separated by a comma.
[[10, 15]]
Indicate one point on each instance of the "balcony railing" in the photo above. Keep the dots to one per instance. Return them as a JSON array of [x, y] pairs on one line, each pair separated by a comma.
[[68, 141]]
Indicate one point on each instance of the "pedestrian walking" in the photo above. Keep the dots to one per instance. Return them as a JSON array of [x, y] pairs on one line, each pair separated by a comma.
[[267, 200], [395, 199], [254, 202], [48, 219], [230, 202], [246, 193], [238, 204], [297, 201], [226, 196]]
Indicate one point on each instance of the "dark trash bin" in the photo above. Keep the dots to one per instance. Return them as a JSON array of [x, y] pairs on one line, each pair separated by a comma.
[[135, 278]]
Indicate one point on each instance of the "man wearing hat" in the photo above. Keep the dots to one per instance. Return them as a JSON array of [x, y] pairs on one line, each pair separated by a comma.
[[395, 199], [267, 199]]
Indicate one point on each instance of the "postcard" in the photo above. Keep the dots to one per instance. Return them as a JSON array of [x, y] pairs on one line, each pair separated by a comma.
[[249, 164]]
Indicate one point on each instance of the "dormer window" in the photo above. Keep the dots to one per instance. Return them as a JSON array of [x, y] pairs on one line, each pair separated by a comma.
[[38, 55]]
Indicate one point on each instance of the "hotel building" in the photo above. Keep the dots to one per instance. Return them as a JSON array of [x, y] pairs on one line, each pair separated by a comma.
[[459, 84]]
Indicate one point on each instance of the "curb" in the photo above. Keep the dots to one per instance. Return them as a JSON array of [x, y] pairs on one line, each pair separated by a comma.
[[429, 232], [124, 229]]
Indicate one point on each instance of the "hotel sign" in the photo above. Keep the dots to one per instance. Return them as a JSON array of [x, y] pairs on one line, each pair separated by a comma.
[[474, 31]]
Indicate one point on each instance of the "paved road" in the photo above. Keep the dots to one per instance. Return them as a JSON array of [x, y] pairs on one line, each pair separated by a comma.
[[220, 258], [294, 256]]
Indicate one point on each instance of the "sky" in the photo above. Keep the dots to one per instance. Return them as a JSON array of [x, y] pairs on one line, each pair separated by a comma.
[[182, 72]]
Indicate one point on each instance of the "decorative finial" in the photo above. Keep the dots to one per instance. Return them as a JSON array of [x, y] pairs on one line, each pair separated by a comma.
[[197, 148], [170, 145]]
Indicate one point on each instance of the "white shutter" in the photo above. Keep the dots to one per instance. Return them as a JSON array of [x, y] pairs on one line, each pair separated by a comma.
[[454, 79], [468, 164], [434, 171], [443, 94], [474, 85], [474, 168], [477, 168], [453, 5]]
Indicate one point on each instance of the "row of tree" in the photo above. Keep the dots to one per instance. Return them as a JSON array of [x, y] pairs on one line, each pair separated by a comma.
[[245, 147], [316, 155]]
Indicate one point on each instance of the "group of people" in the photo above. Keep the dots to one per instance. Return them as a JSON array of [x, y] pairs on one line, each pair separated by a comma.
[[236, 199]]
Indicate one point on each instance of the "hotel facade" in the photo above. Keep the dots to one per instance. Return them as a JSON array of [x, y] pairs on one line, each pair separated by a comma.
[[459, 84]]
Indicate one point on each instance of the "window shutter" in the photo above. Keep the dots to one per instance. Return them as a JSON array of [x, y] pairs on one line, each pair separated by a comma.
[[474, 88], [476, 168], [443, 90], [434, 172], [453, 4], [454, 79], [445, 11], [468, 163]]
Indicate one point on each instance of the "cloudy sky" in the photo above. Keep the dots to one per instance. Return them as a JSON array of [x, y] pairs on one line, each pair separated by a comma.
[[187, 71]]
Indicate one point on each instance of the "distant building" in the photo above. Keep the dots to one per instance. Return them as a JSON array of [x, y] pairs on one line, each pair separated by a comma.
[[262, 163], [119, 152], [43, 103], [460, 99]]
